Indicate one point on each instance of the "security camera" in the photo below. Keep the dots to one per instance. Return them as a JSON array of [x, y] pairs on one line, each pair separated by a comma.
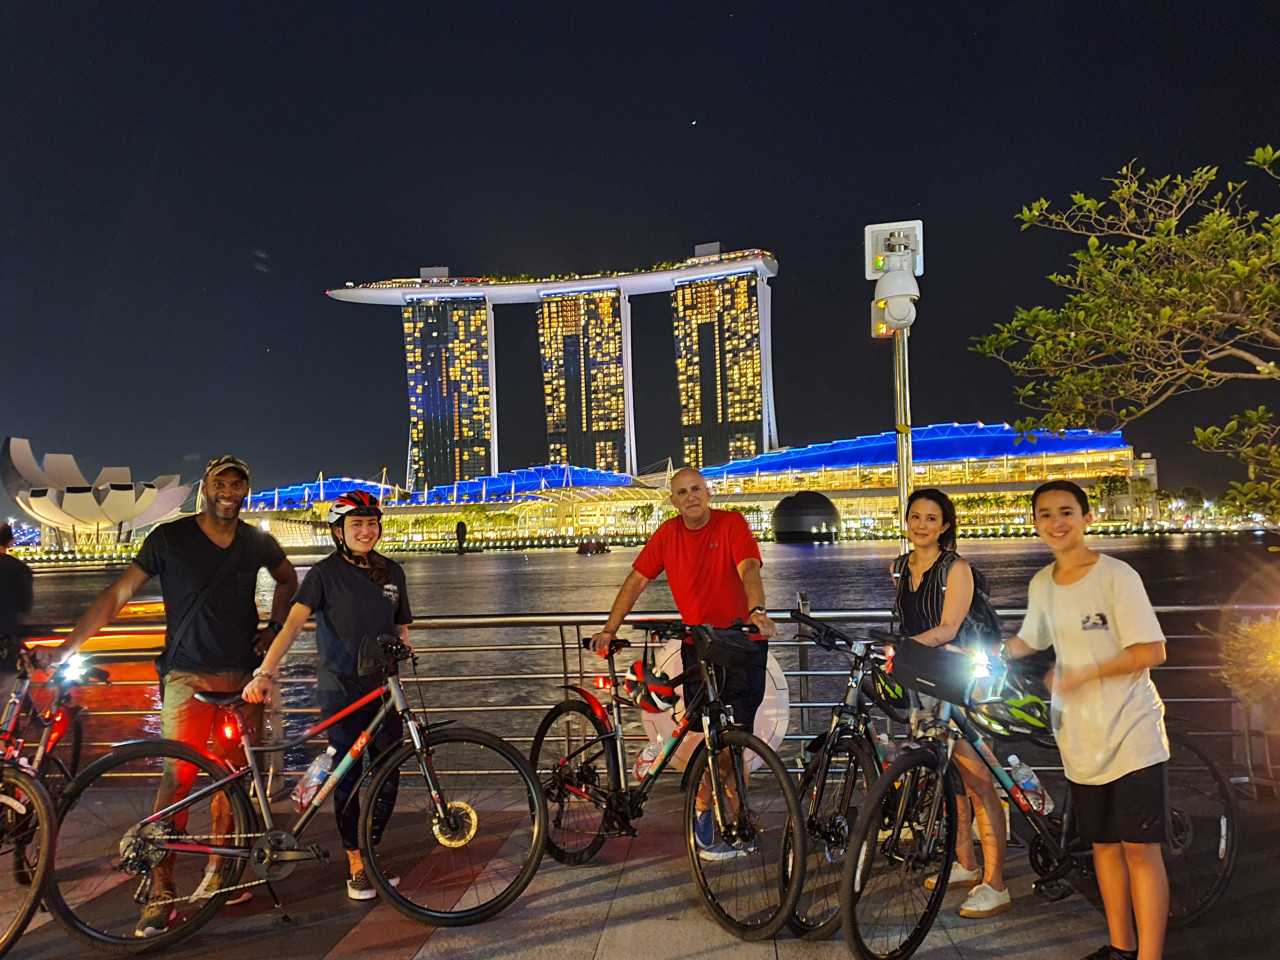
[[895, 302]]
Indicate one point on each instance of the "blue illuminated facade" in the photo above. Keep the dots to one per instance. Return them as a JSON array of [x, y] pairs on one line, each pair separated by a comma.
[[938, 443]]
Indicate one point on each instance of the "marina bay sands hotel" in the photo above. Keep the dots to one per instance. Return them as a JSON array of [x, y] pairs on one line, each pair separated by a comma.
[[720, 309]]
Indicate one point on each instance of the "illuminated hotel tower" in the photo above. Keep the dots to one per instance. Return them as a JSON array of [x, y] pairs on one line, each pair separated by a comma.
[[721, 308], [450, 368], [721, 333], [583, 380]]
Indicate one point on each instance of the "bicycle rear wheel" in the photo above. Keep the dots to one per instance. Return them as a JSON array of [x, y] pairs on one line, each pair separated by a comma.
[[108, 865], [1200, 846], [469, 866], [576, 779], [752, 880], [905, 832], [832, 790], [27, 829]]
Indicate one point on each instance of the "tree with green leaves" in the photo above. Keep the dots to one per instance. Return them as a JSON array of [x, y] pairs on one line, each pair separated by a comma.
[[1176, 290]]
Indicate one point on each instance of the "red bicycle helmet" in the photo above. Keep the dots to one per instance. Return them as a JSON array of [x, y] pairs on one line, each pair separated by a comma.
[[649, 689], [354, 503]]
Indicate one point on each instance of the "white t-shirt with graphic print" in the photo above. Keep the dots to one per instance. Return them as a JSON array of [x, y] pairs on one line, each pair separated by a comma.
[[1113, 726]]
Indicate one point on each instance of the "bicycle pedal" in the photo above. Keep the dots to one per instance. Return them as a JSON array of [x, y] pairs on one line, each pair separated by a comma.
[[320, 853]]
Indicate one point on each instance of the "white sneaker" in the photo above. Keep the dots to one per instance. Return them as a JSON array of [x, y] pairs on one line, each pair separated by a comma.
[[960, 877], [212, 883], [984, 902], [721, 851]]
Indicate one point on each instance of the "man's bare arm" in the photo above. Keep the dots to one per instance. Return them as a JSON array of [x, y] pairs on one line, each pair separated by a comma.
[[627, 596], [749, 571], [286, 579], [105, 608]]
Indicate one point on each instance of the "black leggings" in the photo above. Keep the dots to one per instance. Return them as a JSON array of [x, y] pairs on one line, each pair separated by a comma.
[[342, 735]]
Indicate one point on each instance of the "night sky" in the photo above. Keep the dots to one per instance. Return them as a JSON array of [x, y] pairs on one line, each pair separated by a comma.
[[183, 181]]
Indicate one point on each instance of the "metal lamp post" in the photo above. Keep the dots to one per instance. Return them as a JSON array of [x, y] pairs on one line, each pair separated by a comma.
[[894, 258]]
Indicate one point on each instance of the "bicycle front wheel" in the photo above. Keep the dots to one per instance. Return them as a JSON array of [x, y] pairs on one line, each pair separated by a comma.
[[832, 791], [114, 886], [470, 863], [905, 833], [27, 829], [576, 768], [1200, 846], [751, 875]]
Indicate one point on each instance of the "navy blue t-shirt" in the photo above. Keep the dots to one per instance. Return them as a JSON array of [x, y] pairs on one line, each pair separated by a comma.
[[348, 607], [221, 636]]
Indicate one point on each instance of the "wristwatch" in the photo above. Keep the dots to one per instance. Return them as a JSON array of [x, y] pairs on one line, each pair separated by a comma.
[[275, 626], [755, 610], [260, 672]]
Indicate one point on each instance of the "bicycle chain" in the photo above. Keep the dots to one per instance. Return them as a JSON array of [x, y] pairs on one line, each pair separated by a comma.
[[208, 836]]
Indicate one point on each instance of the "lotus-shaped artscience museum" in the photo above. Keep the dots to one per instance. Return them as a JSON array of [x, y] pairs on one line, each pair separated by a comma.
[[55, 493]]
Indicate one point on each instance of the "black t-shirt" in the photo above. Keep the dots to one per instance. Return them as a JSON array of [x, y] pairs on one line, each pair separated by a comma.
[[15, 601], [348, 607], [221, 636]]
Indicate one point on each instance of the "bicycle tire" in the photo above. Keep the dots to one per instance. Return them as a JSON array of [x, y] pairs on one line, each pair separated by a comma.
[[453, 875], [1200, 849], [104, 859], [28, 826], [832, 789], [884, 906], [753, 892], [567, 767]]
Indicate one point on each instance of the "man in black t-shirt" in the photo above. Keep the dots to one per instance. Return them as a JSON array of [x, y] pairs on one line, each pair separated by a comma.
[[208, 568], [15, 600]]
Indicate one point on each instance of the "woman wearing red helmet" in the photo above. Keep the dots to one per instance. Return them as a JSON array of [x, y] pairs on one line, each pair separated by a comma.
[[355, 592]]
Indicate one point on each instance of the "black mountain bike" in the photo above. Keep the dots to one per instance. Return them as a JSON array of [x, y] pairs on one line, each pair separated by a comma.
[[906, 830], [452, 826], [846, 759], [580, 756]]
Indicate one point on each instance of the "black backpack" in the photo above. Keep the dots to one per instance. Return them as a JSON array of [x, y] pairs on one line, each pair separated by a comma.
[[982, 626]]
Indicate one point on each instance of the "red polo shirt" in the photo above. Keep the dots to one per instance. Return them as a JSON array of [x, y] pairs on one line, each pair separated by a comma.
[[702, 566]]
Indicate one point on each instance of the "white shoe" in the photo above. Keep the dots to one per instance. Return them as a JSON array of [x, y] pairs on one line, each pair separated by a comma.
[[211, 884], [721, 851], [960, 877], [984, 902]]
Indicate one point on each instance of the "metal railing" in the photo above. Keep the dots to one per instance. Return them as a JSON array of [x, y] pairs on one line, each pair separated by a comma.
[[520, 697]]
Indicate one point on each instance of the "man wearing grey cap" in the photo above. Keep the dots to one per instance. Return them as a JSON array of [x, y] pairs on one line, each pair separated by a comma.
[[208, 567]]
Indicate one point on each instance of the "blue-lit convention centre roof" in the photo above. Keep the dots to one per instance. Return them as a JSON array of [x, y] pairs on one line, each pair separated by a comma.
[[531, 483], [931, 444]]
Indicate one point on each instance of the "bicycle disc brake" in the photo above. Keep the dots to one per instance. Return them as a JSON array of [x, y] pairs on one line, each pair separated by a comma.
[[459, 827], [1181, 833]]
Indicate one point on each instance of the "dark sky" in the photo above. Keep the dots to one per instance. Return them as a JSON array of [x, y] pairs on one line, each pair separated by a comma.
[[182, 182]]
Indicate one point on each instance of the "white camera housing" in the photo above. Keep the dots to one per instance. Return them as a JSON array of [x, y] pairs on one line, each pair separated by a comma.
[[895, 302]]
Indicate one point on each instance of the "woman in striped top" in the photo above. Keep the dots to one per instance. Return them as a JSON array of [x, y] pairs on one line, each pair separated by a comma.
[[932, 614]]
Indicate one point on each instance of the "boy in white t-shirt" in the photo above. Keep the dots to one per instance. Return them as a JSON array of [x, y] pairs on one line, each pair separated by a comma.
[[1108, 718]]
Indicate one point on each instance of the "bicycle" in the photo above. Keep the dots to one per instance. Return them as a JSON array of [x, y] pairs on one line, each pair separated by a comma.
[[908, 823], [845, 760], [55, 758], [457, 813], [28, 828], [580, 756]]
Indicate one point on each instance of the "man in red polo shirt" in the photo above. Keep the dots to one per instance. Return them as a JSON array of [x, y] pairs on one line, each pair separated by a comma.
[[712, 564]]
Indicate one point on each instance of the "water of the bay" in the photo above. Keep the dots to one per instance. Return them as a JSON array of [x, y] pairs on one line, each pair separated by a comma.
[[1212, 570]]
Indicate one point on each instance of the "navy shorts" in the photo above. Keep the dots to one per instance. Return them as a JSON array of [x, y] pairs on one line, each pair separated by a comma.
[[1128, 810], [741, 688]]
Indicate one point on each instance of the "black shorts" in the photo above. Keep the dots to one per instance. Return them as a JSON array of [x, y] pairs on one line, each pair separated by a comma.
[[741, 688], [1128, 810]]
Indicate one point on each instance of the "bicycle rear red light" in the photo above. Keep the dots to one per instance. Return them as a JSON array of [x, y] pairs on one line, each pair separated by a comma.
[[603, 683], [888, 659]]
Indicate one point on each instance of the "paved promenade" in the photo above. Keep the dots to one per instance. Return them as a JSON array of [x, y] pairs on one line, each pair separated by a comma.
[[636, 901]]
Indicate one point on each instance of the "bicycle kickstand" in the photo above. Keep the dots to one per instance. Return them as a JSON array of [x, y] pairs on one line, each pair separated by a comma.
[[284, 917]]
